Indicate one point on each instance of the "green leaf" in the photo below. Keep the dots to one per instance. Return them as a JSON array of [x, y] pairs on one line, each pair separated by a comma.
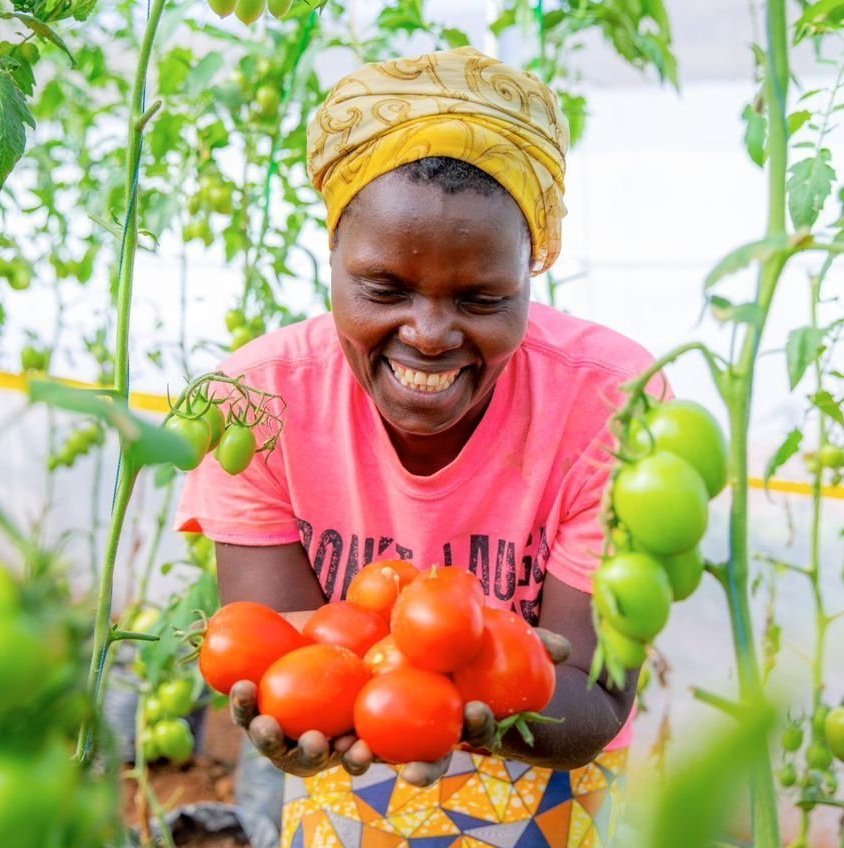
[[755, 134], [145, 443], [741, 257], [789, 447], [574, 108], [503, 21], [202, 73], [797, 119], [808, 187], [81, 9], [803, 347], [14, 115], [39, 28], [819, 18], [724, 310], [828, 405], [455, 37]]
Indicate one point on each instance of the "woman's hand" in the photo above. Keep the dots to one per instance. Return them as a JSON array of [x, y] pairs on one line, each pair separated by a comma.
[[314, 752]]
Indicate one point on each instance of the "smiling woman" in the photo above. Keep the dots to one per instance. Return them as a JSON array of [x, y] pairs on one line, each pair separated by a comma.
[[436, 415]]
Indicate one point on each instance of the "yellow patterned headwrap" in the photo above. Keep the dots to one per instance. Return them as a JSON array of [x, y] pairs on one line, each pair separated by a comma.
[[456, 103]]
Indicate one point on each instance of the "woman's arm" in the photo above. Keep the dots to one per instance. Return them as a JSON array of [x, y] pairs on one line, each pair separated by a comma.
[[592, 716]]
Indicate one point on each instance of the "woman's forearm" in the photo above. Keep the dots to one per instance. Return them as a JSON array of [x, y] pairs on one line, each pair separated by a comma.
[[591, 718]]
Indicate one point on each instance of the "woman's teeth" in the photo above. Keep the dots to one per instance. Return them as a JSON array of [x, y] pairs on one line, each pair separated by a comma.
[[425, 381]]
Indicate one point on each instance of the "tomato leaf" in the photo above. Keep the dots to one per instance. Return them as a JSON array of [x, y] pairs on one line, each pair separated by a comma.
[[828, 405], [741, 257], [803, 347], [808, 187], [784, 452], [819, 18], [145, 443], [41, 29], [755, 134], [455, 37], [724, 310], [797, 119], [14, 115]]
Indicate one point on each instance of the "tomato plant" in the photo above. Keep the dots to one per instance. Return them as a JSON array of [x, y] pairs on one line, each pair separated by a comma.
[[435, 624], [313, 688], [345, 623], [511, 672], [242, 640], [409, 715]]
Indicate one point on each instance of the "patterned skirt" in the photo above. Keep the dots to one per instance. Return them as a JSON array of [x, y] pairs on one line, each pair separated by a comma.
[[480, 802]]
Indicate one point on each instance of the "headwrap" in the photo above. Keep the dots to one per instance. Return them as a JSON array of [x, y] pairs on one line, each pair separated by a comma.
[[456, 103]]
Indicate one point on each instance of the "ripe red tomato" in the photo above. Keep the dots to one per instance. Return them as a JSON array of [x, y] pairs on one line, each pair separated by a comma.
[[690, 431], [344, 623], [385, 656], [377, 585], [242, 640], [313, 688], [464, 581], [663, 502], [512, 671], [409, 715], [437, 624], [633, 593]]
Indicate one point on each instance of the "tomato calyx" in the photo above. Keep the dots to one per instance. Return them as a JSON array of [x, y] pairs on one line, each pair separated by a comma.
[[519, 721]]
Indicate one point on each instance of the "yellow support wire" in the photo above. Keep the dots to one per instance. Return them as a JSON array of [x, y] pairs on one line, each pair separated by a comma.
[[158, 404]]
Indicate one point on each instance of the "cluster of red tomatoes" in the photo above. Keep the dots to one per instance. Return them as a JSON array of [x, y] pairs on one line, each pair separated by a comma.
[[660, 504], [395, 663]]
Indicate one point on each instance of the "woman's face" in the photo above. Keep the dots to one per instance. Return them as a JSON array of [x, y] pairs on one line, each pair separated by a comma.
[[430, 296]]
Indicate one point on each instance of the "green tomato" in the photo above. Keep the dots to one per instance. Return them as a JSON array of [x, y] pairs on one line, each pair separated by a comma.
[[267, 101], [279, 8], [33, 359], [240, 337], [248, 11], [690, 431], [194, 204], [236, 448], [234, 319], [630, 653], [150, 747], [818, 756], [819, 718], [831, 456], [663, 502], [788, 775], [28, 52], [833, 729], [176, 697], [216, 423], [792, 738], [174, 739], [222, 8], [221, 200], [153, 709], [684, 572], [633, 594], [24, 656], [196, 432]]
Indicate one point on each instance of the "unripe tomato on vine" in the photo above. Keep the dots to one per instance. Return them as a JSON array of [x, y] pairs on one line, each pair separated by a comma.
[[236, 448], [248, 11], [223, 8], [279, 8]]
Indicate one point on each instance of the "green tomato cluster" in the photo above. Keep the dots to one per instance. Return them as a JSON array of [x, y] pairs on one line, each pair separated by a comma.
[[825, 745], [77, 444], [233, 444], [167, 734], [660, 501], [249, 11], [46, 797]]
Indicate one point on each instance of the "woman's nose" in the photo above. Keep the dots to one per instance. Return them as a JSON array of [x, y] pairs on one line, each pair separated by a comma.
[[431, 329]]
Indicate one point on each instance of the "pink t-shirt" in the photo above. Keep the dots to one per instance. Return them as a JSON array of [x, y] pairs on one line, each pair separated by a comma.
[[520, 500]]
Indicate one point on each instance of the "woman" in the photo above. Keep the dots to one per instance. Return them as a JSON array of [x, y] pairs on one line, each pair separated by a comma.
[[436, 415]]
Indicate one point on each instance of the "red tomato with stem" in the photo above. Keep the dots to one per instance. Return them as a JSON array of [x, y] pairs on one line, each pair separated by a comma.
[[409, 715], [464, 580], [344, 623], [512, 672], [377, 585], [313, 688], [385, 656], [438, 625], [242, 641]]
